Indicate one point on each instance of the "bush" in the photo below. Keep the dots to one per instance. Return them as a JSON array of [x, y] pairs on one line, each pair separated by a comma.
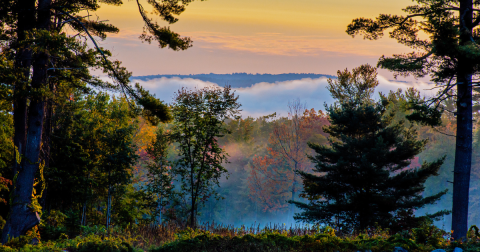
[[91, 243], [425, 238], [105, 246]]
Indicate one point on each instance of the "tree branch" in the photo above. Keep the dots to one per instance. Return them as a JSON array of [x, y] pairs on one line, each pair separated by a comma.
[[122, 85]]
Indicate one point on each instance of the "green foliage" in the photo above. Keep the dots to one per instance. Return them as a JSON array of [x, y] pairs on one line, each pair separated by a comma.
[[105, 246], [199, 117], [154, 110], [424, 238], [132, 206], [38, 185], [439, 55], [6, 128], [444, 37], [357, 85], [93, 152], [60, 63], [7, 149], [324, 240], [53, 225], [160, 178], [166, 10], [79, 244], [429, 235], [364, 177], [473, 232]]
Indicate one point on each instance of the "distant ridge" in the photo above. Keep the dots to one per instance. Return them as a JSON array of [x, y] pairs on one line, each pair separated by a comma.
[[238, 80]]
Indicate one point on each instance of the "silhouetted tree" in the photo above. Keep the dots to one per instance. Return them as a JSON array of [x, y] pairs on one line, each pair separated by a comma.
[[361, 179], [449, 53]]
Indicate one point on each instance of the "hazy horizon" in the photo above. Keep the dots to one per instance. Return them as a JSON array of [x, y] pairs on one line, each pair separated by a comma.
[[266, 97]]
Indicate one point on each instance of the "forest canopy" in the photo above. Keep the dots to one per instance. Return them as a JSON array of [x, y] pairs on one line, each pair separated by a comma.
[[85, 157]]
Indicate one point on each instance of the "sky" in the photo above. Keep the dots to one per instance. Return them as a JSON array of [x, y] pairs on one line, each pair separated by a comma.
[[254, 36], [257, 36]]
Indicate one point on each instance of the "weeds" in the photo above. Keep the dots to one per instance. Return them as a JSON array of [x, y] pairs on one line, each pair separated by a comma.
[[172, 237]]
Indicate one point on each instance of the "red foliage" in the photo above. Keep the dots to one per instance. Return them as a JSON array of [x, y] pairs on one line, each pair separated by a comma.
[[273, 179]]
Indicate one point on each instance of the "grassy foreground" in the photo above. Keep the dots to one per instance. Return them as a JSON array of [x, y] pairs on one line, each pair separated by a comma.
[[171, 238]]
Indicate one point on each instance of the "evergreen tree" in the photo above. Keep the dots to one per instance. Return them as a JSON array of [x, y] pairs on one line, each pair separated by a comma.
[[363, 177], [445, 41], [42, 57]]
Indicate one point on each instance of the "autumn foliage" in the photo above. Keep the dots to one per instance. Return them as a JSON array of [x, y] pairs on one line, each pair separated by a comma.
[[273, 179]]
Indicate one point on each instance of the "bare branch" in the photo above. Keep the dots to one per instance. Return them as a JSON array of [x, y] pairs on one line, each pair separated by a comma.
[[443, 133]]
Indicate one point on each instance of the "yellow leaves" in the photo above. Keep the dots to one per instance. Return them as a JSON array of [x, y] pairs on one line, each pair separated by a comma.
[[35, 205], [145, 134]]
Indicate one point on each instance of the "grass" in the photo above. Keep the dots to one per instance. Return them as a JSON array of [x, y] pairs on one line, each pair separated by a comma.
[[170, 237]]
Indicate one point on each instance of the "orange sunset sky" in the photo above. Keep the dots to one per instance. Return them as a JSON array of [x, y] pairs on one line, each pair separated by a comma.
[[254, 36]]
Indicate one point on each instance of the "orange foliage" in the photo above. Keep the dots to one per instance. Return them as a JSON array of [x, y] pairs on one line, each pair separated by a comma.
[[273, 179], [4, 185], [142, 138], [144, 135]]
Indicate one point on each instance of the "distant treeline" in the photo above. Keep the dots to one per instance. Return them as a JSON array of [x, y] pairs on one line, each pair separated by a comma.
[[238, 80]]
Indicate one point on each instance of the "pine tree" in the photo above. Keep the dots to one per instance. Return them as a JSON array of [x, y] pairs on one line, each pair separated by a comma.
[[363, 177], [43, 58], [444, 37]]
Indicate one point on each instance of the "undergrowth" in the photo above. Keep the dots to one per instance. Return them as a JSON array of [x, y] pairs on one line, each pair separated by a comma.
[[211, 237]]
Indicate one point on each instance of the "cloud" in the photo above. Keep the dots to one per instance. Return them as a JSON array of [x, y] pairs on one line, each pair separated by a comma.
[[266, 98], [288, 45], [165, 88], [264, 43]]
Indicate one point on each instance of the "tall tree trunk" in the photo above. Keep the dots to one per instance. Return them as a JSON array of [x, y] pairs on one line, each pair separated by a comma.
[[463, 150], [292, 206], [84, 214], [192, 184], [22, 217], [23, 61], [83, 221], [47, 131], [109, 206], [192, 213]]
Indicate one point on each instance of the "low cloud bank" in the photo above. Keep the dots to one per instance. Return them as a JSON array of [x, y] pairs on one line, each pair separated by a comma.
[[265, 98]]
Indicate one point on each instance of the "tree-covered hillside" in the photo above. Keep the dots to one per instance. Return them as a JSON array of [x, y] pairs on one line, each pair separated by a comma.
[[238, 80]]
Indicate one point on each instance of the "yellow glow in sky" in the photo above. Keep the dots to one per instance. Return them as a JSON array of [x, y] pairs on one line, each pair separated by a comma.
[[234, 35], [288, 15]]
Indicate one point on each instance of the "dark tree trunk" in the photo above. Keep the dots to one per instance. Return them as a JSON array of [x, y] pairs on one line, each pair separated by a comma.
[[463, 150], [84, 214], [193, 193], [292, 206], [109, 206], [192, 213], [23, 61], [47, 131], [22, 217]]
